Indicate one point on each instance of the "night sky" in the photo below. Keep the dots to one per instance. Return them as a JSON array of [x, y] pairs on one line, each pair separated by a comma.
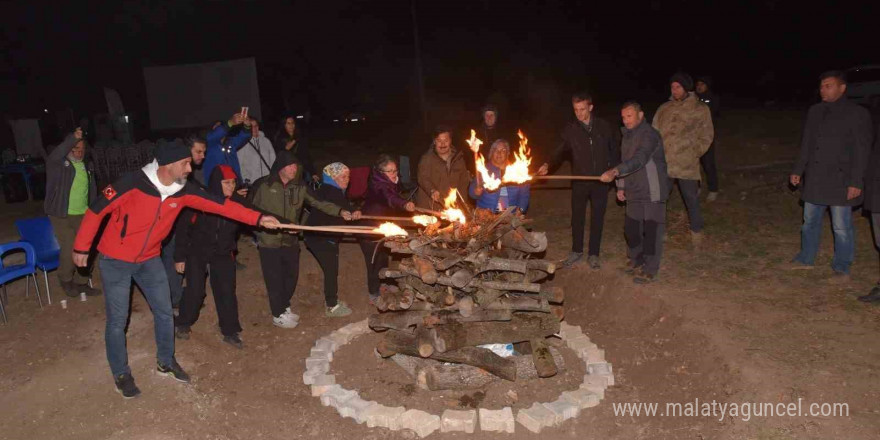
[[359, 55]]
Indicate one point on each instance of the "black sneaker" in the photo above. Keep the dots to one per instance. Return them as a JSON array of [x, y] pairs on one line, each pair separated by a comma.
[[69, 289], [125, 386], [182, 332], [644, 278], [89, 291], [234, 340], [174, 370]]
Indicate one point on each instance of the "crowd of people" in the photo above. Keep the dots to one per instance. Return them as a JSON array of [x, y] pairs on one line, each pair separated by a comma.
[[179, 217]]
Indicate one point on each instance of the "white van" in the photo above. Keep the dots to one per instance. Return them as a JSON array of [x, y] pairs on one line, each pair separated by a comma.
[[863, 85]]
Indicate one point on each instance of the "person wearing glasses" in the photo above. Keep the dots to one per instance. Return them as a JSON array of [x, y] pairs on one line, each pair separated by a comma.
[[383, 198]]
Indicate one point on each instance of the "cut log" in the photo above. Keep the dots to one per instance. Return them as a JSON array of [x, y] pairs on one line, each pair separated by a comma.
[[480, 315], [542, 265], [425, 269], [436, 376], [487, 296], [521, 327], [543, 360], [553, 294], [509, 286], [398, 342], [425, 340], [505, 265], [434, 294], [521, 303], [523, 240], [402, 321]]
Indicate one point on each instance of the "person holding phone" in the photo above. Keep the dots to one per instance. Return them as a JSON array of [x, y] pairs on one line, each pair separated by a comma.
[[224, 141]]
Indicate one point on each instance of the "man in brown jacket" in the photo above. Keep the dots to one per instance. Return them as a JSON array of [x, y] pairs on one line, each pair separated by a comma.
[[441, 168], [685, 124]]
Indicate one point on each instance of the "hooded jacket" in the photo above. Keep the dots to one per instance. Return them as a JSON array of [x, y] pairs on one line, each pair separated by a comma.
[[207, 234], [60, 173], [436, 174], [643, 174], [143, 211], [517, 195], [285, 201], [835, 148], [383, 196], [220, 152], [300, 149], [687, 132], [256, 158]]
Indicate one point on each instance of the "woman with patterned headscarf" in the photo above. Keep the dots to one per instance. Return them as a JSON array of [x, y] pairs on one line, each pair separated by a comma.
[[325, 247]]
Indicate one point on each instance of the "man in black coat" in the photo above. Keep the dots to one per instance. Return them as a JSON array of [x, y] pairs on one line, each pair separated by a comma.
[[594, 146], [834, 154], [872, 204], [707, 160]]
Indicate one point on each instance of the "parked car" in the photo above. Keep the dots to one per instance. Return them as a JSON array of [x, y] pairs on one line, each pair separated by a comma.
[[863, 85]]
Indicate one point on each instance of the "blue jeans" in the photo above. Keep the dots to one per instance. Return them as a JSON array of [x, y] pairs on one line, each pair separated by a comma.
[[844, 236], [116, 276], [175, 280]]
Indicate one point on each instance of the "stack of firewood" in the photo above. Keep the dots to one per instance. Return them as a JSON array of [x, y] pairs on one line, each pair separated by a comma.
[[462, 286]]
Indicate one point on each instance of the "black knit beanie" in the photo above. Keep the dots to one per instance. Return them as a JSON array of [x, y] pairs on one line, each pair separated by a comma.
[[684, 80], [171, 151]]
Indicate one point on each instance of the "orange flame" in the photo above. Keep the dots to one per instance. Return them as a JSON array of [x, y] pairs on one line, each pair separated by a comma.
[[390, 230], [452, 213], [424, 220], [490, 182], [518, 171], [474, 142]]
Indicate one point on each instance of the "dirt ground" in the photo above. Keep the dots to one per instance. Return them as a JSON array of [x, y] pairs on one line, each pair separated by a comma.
[[724, 322]]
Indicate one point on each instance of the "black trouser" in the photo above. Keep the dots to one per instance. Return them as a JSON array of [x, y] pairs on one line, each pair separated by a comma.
[[326, 251], [281, 271], [597, 194], [374, 265], [690, 195], [643, 229], [708, 162], [222, 285]]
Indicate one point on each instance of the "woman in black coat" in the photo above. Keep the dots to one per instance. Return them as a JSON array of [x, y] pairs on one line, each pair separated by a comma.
[[209, 240], [325, 247]]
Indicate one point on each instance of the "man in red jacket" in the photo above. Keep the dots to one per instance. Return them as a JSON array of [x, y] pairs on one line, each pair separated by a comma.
[[143, 206]]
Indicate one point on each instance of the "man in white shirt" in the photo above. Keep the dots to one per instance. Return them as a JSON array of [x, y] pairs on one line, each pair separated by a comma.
[[257, 156]]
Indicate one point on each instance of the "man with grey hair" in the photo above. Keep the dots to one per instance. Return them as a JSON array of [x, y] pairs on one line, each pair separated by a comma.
[[643, 183]]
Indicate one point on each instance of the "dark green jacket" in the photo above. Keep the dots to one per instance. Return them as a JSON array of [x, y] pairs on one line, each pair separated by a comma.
[[285, 202]]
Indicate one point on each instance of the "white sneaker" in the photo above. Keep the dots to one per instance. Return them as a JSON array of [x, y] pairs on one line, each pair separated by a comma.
[[286, 320], [290, 312], [713, 195]]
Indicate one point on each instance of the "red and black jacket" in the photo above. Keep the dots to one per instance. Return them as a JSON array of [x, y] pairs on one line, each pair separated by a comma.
[[140, 219]]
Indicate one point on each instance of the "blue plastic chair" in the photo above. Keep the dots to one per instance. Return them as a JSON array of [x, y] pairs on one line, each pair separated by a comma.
[[39, 233], [12, 272]]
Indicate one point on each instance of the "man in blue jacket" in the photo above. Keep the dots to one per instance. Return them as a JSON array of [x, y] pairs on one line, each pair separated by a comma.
[[224, 140]]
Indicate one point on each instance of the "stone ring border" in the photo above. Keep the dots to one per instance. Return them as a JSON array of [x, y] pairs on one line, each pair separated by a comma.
[[348, 403]]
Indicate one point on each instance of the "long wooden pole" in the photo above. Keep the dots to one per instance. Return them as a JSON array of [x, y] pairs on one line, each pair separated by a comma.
[[386, 218], [566, 177], [428, 211], [337, 229]]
